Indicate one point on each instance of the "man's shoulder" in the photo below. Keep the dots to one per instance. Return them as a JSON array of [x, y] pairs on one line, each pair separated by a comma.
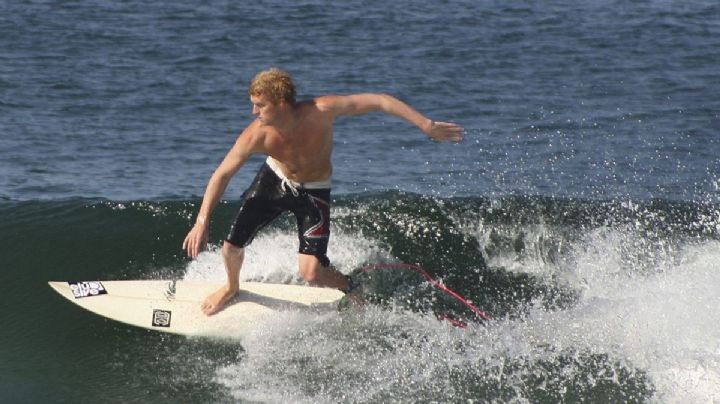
[[326, 103], [255, 127], [254, 132], [322, 107]]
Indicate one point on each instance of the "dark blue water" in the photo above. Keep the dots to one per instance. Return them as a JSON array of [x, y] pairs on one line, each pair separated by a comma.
[[574, 99], [582, 210]]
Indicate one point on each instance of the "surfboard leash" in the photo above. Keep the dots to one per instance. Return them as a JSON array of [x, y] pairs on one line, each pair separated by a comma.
[[435, 283]]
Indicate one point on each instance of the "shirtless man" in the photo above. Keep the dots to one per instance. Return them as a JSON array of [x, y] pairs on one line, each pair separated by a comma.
[[297, 137]]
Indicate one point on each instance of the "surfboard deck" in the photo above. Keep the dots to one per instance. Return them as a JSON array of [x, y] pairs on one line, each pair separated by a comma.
[[174, 306]]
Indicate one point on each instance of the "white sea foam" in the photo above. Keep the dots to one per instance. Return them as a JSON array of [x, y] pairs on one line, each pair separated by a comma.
[[272, 257], [659, 319], [663, 322]]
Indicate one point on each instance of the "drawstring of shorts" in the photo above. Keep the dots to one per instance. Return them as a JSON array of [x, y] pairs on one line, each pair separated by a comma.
[[290, 184], [294, 186]]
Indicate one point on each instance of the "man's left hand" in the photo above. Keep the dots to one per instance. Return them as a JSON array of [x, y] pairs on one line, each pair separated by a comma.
[[445, 131]]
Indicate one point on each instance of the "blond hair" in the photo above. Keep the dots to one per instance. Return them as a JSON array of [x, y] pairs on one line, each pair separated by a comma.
[[275, 84]]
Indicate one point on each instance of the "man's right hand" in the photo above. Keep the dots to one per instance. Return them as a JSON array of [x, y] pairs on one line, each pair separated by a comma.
[[196, 240]]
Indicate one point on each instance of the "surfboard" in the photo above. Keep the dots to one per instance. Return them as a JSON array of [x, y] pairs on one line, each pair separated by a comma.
[[174, 306]]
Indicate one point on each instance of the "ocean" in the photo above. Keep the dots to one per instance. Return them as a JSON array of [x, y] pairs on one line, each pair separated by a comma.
[[581, 212]]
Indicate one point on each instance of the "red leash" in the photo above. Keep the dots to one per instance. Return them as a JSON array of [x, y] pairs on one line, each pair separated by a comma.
[[436, 284]]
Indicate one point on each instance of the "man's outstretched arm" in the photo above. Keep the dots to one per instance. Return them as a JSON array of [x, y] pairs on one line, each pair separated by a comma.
[[358, 104]]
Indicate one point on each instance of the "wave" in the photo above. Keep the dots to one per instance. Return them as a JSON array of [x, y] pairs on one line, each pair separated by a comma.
[[610, 300], [503, 254]]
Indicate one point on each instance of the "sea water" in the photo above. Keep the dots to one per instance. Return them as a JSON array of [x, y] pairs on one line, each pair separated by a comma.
[[581, 211]]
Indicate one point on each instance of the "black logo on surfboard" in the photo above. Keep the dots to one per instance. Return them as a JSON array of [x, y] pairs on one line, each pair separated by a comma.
[[87, 289], [161, 318]]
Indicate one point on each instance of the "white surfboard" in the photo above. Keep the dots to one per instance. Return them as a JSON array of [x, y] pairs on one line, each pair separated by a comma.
[[174, 306]]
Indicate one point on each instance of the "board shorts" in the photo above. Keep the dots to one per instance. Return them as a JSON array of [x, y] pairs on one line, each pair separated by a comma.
[[269, 195]]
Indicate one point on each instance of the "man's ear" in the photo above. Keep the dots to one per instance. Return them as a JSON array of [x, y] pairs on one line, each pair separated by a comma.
[[282, 104]]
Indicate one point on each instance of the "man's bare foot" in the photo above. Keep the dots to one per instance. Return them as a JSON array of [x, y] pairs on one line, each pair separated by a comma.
[[217, 300]]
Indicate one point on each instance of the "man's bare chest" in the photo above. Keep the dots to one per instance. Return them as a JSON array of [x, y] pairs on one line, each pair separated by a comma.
[[300, 141]]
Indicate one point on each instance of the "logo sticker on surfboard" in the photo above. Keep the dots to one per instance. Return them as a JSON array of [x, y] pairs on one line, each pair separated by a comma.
[[161, 318], [87, 289]]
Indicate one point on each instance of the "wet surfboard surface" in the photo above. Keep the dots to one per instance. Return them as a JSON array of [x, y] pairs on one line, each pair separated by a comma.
[[174, 306]]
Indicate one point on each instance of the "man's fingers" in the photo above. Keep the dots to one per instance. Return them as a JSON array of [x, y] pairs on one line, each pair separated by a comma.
[[190, 246], [456, 132], [195, 248]]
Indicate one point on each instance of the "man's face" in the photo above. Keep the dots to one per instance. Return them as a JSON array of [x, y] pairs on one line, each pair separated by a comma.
[[264, 109]]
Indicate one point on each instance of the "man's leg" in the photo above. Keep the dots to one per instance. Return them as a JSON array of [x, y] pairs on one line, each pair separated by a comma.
[[316, 274], [233, 257]]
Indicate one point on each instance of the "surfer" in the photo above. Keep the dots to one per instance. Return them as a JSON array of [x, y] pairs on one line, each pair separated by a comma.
[[297, 139]]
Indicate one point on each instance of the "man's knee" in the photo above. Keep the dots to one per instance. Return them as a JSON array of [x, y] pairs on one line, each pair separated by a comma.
[[230, 250], [309, 272], [310, 267]]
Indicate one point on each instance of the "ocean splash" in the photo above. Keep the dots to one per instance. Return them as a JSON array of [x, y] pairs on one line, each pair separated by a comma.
[[639, 324], [623, 339], [604, 301], [272, 257]]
